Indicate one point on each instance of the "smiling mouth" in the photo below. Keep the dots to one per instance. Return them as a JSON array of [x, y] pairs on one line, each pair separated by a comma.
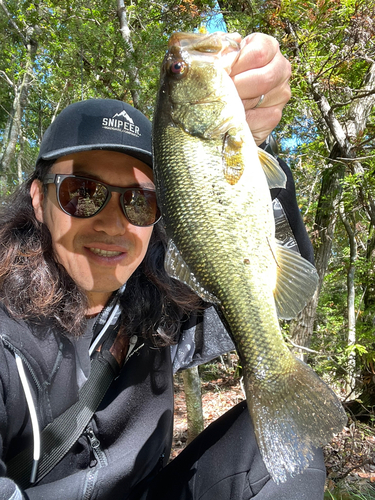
[[104, 253]]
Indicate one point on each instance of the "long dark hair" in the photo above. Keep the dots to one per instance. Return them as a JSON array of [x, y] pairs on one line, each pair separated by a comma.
[[35, 287]]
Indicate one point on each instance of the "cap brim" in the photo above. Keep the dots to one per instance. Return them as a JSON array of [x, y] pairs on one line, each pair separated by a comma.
[[140, 154]]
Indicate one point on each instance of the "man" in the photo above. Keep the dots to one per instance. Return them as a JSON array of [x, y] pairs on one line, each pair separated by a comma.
[[81, 276]]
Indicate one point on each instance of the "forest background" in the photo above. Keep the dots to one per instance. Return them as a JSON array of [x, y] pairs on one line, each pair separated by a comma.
[[54, 53]]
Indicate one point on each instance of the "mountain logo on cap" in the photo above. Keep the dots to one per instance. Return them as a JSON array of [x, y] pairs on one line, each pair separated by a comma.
[[125, 115], [125, 125]]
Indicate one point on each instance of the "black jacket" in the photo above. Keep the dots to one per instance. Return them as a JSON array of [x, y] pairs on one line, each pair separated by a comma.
[[133, 424]]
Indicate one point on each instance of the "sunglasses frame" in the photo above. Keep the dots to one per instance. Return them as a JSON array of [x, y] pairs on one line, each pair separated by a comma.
[[57, 179]]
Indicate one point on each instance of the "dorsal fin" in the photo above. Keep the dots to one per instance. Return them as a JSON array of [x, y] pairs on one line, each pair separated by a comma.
[[275, 175]]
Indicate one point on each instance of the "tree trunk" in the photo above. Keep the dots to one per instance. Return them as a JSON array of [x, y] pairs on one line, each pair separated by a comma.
[[125, 32], [14, 132], [21, 90], [193, 395], [351, 299], [19, 160], [6, 137], [19, 104], [301, 328], [369, 295]]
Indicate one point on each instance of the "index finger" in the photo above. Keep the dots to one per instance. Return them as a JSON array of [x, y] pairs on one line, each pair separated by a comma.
[[258, 81], [257, 50]]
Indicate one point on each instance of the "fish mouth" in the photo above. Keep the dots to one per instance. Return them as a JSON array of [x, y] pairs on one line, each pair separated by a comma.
[[183, 47], [213, 43]]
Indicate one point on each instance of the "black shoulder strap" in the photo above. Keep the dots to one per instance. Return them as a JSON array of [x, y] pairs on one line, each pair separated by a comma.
[[61, 434]]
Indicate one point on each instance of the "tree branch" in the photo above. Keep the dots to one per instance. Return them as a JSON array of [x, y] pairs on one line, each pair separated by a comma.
[[365, 461], [5, 76], [8, 14], [360, 109], [125, 32], [306, 349], [359, 96], [331, 121]]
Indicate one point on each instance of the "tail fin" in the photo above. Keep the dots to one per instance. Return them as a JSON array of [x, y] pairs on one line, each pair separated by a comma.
[[292, 417]]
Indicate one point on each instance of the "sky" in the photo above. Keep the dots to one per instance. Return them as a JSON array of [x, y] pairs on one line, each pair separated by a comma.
[[215, 22]]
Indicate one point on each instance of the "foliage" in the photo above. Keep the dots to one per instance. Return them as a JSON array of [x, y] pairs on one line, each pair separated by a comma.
[[81, 54], [351, 495], [55, 53]]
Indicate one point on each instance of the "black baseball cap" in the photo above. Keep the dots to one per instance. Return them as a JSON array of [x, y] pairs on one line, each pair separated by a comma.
[[98, 124]]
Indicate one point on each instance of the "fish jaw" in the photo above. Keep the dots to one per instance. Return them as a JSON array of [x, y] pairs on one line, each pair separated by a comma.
[[217, 45]]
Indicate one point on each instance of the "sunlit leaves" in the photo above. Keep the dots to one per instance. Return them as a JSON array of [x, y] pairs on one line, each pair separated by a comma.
[[81, 54]]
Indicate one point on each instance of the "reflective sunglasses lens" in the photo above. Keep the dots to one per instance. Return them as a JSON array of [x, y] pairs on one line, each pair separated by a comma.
[[81, 197], [140, 207]]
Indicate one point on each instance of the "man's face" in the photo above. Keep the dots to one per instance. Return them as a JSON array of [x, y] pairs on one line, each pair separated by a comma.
[[99, 253]]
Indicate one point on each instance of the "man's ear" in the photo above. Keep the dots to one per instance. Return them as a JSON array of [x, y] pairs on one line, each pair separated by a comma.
[[37, 198]]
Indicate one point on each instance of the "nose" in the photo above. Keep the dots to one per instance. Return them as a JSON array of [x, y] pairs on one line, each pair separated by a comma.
[[111, 219]]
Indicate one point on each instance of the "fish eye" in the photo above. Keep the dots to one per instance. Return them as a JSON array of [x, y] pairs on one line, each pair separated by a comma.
[[178, 68]]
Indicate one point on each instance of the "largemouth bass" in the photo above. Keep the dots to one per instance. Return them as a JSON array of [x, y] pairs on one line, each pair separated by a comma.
[[212, 184]]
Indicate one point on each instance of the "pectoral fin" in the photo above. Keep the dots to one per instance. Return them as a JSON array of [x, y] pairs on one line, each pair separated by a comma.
[[232, 155], [297, 280], [274, 173], [177, 268]]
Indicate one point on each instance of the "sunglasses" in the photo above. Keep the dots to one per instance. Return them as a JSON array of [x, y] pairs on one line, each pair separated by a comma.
[[83, 198]]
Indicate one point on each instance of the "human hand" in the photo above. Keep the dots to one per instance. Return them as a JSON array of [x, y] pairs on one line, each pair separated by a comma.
[[260, 70]]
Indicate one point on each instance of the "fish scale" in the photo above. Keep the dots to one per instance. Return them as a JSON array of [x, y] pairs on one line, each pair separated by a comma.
[[212, 185]]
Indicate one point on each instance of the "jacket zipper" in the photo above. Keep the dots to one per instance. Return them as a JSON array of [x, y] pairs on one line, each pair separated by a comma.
[[95, 445], [26, 363], [90, 483], [101, 462]]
